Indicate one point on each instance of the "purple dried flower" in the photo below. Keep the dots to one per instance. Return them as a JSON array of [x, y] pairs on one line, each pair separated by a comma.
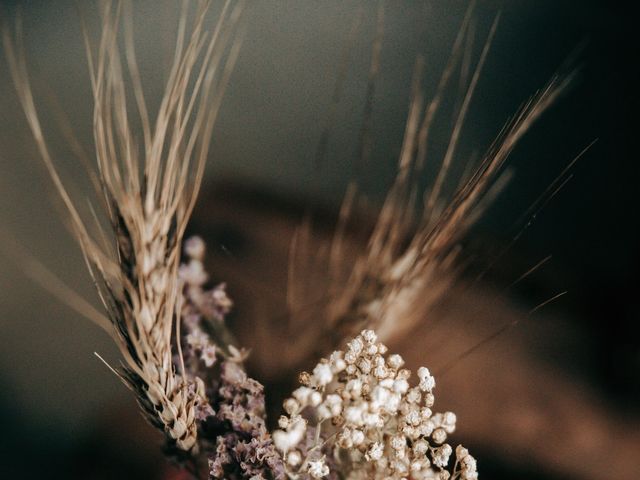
[[232, 431], [245, 448]]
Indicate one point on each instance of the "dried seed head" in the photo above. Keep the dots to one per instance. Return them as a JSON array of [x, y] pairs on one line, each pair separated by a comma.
[[148, 192]]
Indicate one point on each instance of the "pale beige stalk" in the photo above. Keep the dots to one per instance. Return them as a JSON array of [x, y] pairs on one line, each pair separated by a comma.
[[148, 191]]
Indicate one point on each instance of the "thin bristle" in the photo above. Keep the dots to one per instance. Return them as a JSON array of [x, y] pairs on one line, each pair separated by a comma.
[[37, 272]]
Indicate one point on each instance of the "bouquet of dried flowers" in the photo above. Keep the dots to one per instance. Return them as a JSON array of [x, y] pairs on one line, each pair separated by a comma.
[[358, 414]]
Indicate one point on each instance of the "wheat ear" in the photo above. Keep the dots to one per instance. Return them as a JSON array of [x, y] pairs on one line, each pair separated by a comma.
[[409, 261], [149, 191]]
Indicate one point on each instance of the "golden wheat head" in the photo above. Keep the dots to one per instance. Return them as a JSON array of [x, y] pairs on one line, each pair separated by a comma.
[[148, 192]]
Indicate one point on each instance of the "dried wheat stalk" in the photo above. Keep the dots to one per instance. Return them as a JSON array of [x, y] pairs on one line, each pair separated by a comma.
[[149, 191], [410, 258]]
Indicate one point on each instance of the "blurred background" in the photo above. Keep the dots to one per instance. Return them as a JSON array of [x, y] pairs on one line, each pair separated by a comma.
[[555, 397]]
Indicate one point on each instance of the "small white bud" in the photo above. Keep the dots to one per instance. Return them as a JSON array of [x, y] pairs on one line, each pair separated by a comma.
[[439, 435], [395, 361], [294, 458], [322, 374], [291, 406], [375, 451], [283, 421]]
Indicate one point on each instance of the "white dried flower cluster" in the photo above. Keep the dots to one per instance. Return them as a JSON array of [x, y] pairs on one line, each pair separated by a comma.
[[356, 416]]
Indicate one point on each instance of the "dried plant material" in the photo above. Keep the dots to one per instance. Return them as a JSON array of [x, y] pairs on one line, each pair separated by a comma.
[[410, 260], [149, 191], [356, 415], [233, 438]]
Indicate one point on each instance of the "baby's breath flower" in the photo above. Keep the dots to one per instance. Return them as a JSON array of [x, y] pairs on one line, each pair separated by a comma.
[[318, 468], [322, 374], [375, 451], [441, 455], [286, 440], [294, 458], [359, 409]]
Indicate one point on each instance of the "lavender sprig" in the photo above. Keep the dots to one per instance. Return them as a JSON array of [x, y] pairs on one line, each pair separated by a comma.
[[232, 431]]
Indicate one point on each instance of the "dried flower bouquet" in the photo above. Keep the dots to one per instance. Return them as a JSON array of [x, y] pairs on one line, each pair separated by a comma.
[[358, 414]]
